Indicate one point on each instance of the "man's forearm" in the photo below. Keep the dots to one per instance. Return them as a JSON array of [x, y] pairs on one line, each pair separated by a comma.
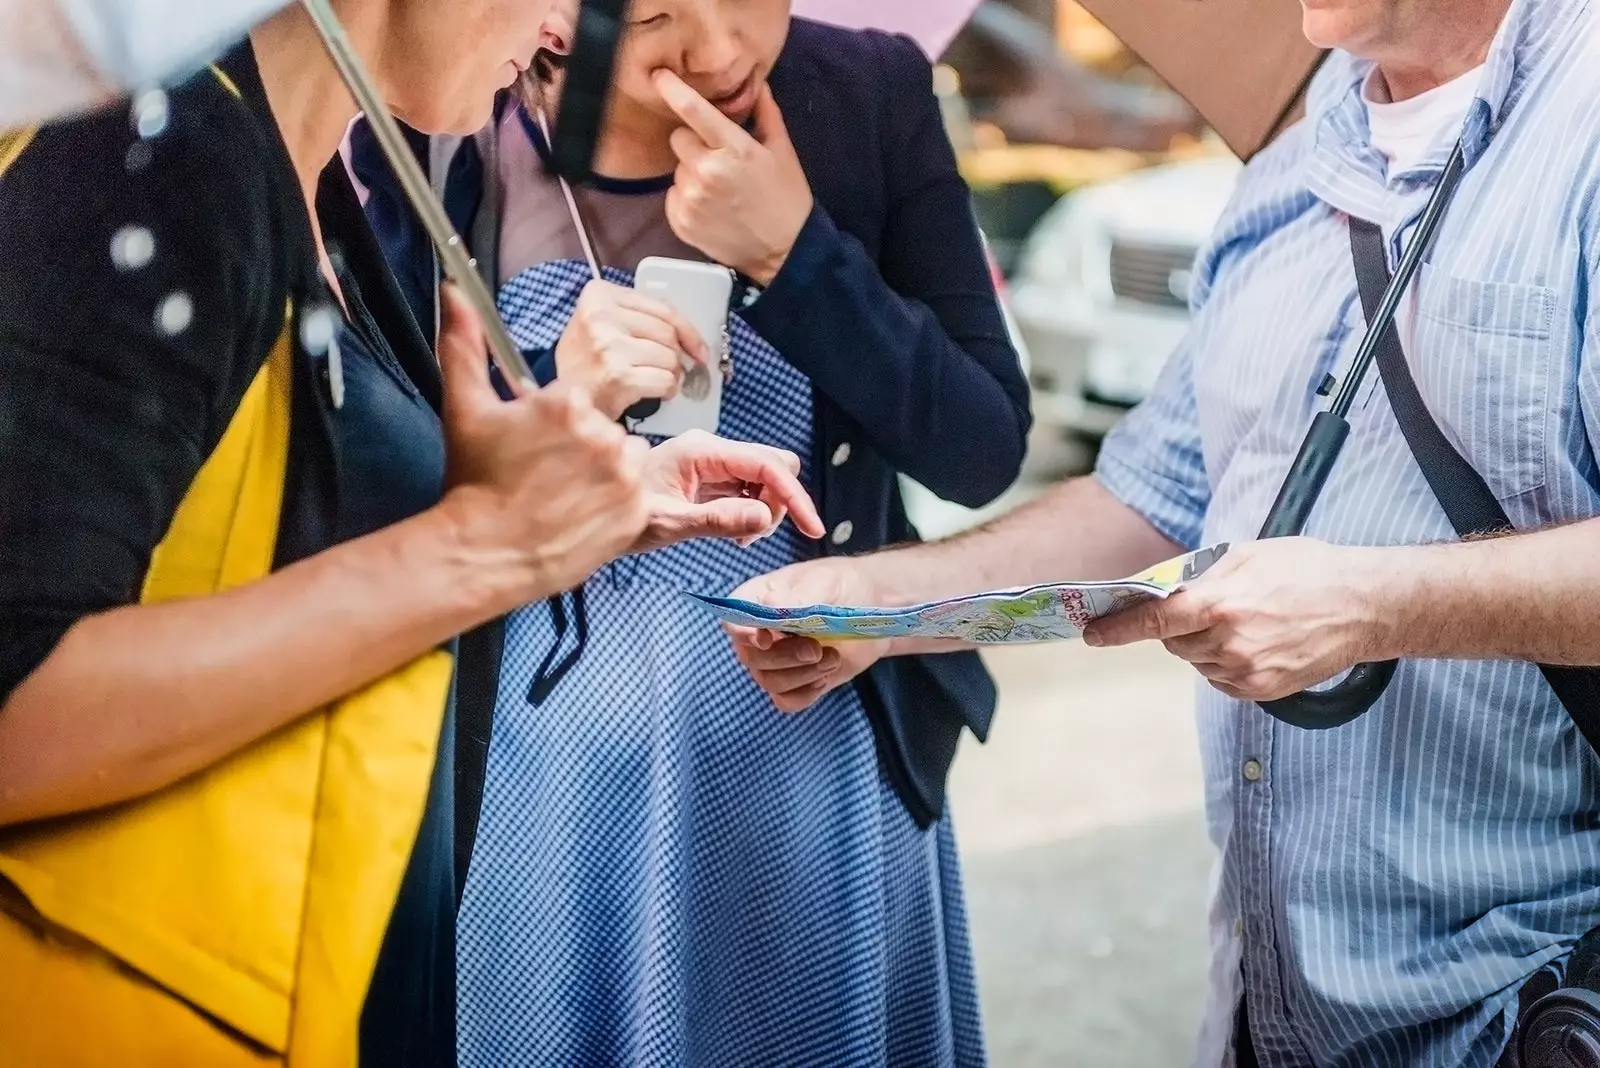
[[1533, 597], [1076, 530]]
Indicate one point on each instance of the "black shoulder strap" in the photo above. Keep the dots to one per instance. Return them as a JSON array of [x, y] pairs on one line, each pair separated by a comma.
[[1466, 498], [477, 690]]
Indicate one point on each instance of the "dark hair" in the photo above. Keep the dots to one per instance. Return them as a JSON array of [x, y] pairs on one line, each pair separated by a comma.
[[536, 80], [546, 64]]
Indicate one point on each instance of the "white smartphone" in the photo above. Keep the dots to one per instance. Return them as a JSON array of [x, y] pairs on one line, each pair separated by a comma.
[[700, 292]]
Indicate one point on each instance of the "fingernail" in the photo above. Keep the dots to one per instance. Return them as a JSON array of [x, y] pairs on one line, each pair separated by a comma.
[[1090, 638]]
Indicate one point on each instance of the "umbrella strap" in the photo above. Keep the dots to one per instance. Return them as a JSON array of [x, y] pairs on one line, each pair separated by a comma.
[[572, 202], [1380, 318]]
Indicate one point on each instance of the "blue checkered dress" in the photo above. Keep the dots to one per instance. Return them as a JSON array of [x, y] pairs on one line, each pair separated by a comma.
[[668, 871]]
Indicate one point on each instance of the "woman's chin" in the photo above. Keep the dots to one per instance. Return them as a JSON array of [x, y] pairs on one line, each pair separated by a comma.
[[436, 121]]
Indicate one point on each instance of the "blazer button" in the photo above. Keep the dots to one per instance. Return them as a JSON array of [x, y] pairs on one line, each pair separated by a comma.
[[841, 455], [843, 532]]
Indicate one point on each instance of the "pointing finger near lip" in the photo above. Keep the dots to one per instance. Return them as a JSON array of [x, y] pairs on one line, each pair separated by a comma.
[[715, 129], [688, 146]]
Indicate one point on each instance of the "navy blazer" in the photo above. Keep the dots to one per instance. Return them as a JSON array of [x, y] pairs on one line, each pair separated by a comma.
[[887, 305]]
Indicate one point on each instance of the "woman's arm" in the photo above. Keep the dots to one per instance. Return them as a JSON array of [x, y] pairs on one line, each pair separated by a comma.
[[912, 346], [135, 698]]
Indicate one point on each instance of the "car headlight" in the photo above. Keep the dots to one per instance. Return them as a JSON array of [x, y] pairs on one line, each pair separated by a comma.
[[1056, 255]]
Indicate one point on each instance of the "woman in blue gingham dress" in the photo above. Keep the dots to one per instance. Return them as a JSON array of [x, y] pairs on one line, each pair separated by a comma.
[[667, 871]]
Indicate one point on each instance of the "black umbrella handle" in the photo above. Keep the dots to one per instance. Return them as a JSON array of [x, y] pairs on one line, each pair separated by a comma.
[[1318, 710], [1360, 690]]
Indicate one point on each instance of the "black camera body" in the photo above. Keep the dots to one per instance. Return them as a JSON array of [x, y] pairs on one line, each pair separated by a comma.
[[1561, 1028]]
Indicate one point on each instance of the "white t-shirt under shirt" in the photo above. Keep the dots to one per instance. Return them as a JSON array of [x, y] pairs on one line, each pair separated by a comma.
[[1407, 131]]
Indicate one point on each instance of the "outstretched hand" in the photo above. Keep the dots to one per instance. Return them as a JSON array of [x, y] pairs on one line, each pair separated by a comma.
[[544, 482], [702, 486]]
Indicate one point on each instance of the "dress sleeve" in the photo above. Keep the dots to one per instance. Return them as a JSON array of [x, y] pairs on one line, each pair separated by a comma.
[[912, 344], [132, 307]]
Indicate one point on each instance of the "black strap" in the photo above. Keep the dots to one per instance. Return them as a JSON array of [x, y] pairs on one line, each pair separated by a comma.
[[1466, 498], [1244, 1048], [477, 689], [1544, 981], [550, 673]]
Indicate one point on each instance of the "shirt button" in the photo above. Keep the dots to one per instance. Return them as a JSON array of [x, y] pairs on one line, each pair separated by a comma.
[[843, 532], [1252, 770], [841, 455]]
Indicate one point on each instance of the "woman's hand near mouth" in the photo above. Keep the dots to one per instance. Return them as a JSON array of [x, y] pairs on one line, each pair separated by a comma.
[[742, 199]]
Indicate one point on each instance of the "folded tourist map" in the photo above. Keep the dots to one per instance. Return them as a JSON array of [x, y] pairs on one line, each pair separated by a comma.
[[1053, 612]]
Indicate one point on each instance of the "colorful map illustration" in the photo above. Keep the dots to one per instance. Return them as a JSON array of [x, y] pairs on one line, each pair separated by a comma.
[[1026, 614]]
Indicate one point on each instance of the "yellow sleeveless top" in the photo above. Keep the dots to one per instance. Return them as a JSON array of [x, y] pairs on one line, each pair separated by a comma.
[[235, 917]]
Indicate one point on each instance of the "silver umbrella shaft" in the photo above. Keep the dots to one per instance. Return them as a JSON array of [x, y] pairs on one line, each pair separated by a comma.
[[458, 266]]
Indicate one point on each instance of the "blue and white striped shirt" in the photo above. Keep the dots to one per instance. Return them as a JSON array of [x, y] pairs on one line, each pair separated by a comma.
[[1386, 887]]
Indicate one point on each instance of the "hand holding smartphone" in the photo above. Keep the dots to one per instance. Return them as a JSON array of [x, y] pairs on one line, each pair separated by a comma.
[[701, 293]]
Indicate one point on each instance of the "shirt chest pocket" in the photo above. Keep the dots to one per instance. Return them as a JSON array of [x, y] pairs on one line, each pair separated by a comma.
[[1481, 358]]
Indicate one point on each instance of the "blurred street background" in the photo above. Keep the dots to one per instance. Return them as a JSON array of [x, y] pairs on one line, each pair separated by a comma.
[[1086, 860]]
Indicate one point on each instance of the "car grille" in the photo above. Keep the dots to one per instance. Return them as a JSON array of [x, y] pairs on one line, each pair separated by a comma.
[[1151, 274]]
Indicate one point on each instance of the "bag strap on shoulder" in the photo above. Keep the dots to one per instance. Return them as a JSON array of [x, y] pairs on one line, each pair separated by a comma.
[[1467, 500], [12, 144]]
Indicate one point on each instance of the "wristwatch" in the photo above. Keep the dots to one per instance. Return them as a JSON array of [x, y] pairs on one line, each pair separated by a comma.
[[746, 292]]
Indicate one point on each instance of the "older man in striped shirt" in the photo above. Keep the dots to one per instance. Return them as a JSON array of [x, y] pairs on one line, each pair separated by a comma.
[[1386, 887]]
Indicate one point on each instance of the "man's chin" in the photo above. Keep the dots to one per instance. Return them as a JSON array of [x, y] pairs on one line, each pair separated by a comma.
[[1331, 26]]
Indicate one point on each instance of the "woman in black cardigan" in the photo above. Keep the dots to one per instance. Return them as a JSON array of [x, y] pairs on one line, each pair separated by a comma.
[[666, 870]]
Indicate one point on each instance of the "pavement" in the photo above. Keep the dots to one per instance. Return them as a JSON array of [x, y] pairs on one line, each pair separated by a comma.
[[1083, 844], [1086, 862]]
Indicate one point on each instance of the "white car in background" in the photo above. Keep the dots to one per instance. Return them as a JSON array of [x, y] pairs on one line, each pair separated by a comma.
[[1102, 289]]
